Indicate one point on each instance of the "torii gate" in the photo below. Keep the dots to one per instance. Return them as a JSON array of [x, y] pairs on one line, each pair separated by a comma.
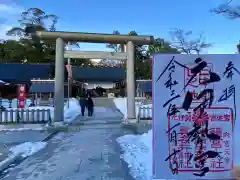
[[64, 37]]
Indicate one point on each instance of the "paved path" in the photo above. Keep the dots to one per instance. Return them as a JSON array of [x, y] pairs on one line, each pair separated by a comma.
[[90, 154]]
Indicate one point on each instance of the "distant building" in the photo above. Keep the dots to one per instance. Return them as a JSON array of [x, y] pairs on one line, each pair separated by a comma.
[[16, 73], [36, 78], [144, 88], [104, 77]]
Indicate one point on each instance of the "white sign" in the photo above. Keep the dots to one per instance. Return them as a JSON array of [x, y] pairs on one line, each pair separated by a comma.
[[194, 115]]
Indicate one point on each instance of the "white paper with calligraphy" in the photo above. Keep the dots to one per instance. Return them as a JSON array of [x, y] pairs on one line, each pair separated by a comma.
[[195, 112]]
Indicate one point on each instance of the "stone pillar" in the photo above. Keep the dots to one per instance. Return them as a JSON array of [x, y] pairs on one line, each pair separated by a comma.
[[131, 110], [124, 49], [59, 82]]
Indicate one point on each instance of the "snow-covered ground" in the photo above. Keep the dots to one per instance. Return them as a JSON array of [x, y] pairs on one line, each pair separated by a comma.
[[138, 154], [145, 110], [137, 148], [71, 112], [27, 149], [22, 150]]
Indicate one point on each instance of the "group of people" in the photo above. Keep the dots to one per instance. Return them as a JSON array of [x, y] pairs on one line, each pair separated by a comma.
[[86, 101]]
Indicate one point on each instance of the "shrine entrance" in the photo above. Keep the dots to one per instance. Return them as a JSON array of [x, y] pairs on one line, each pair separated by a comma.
[[127, 42]]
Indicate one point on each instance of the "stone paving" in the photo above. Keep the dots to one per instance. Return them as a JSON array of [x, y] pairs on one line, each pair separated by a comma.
[[90, 154], [10, 138]]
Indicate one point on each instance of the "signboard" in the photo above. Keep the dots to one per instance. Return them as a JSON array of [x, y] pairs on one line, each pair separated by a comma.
[[194, 116], [22, 96]]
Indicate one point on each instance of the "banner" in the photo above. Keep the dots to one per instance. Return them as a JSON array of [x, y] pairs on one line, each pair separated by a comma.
[[69, 70], [194, 116]]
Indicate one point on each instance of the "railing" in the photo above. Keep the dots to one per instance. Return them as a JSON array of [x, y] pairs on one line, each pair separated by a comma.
[[144, 113], [140, 100], [27, 116], [12, 103]]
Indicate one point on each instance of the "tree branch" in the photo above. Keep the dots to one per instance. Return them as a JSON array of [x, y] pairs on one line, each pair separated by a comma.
[[232, 12], [183, 43]]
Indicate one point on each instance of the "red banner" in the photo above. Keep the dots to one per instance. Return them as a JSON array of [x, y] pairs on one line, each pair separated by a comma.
[[69, 70]]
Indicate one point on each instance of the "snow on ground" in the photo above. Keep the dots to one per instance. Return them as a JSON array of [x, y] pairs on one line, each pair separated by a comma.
[[27, 149], [121, 104], [137, 149], [73, 111], [137, 153], [22, 129], [4, 83]]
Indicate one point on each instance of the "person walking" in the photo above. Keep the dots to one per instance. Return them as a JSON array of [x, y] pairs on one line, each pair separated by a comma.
[[82, 102], [90, 105]]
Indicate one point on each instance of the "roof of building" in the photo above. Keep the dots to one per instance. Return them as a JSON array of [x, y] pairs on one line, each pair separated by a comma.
[[22, 73], [42, 88], [144, 85], [98, 74]]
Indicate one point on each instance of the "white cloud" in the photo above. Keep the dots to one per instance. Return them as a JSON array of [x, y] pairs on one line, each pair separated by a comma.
[[9, 14], [9, 9]]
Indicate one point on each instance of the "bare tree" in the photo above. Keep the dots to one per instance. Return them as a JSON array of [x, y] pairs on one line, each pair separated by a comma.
[[183, 42], [228, 10], [115, 47]]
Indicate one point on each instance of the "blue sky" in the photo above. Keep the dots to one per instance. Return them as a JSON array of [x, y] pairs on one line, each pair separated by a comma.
[[152, 17]]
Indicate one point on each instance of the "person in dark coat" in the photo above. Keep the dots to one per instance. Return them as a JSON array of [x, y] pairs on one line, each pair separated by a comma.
[[90, 105], [83, 103]]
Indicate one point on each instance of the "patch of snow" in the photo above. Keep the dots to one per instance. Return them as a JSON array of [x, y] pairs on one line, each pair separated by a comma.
[[28, 148], [145, 110], [3, 82], [22, 129], [121, 104], [137, 153], [73, 111]]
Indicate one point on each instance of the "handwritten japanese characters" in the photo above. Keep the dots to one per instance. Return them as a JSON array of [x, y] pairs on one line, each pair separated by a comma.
[[229, 70], [170, 83], [199, 122]]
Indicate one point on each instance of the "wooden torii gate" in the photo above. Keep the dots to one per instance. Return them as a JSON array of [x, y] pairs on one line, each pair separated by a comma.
[[128, 55]]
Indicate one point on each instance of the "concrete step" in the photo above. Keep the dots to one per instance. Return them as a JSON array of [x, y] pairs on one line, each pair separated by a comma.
[[104, 102]]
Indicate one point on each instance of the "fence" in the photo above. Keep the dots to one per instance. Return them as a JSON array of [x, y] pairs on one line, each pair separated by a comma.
[[144, 113], [12, 103], [27, 116]]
